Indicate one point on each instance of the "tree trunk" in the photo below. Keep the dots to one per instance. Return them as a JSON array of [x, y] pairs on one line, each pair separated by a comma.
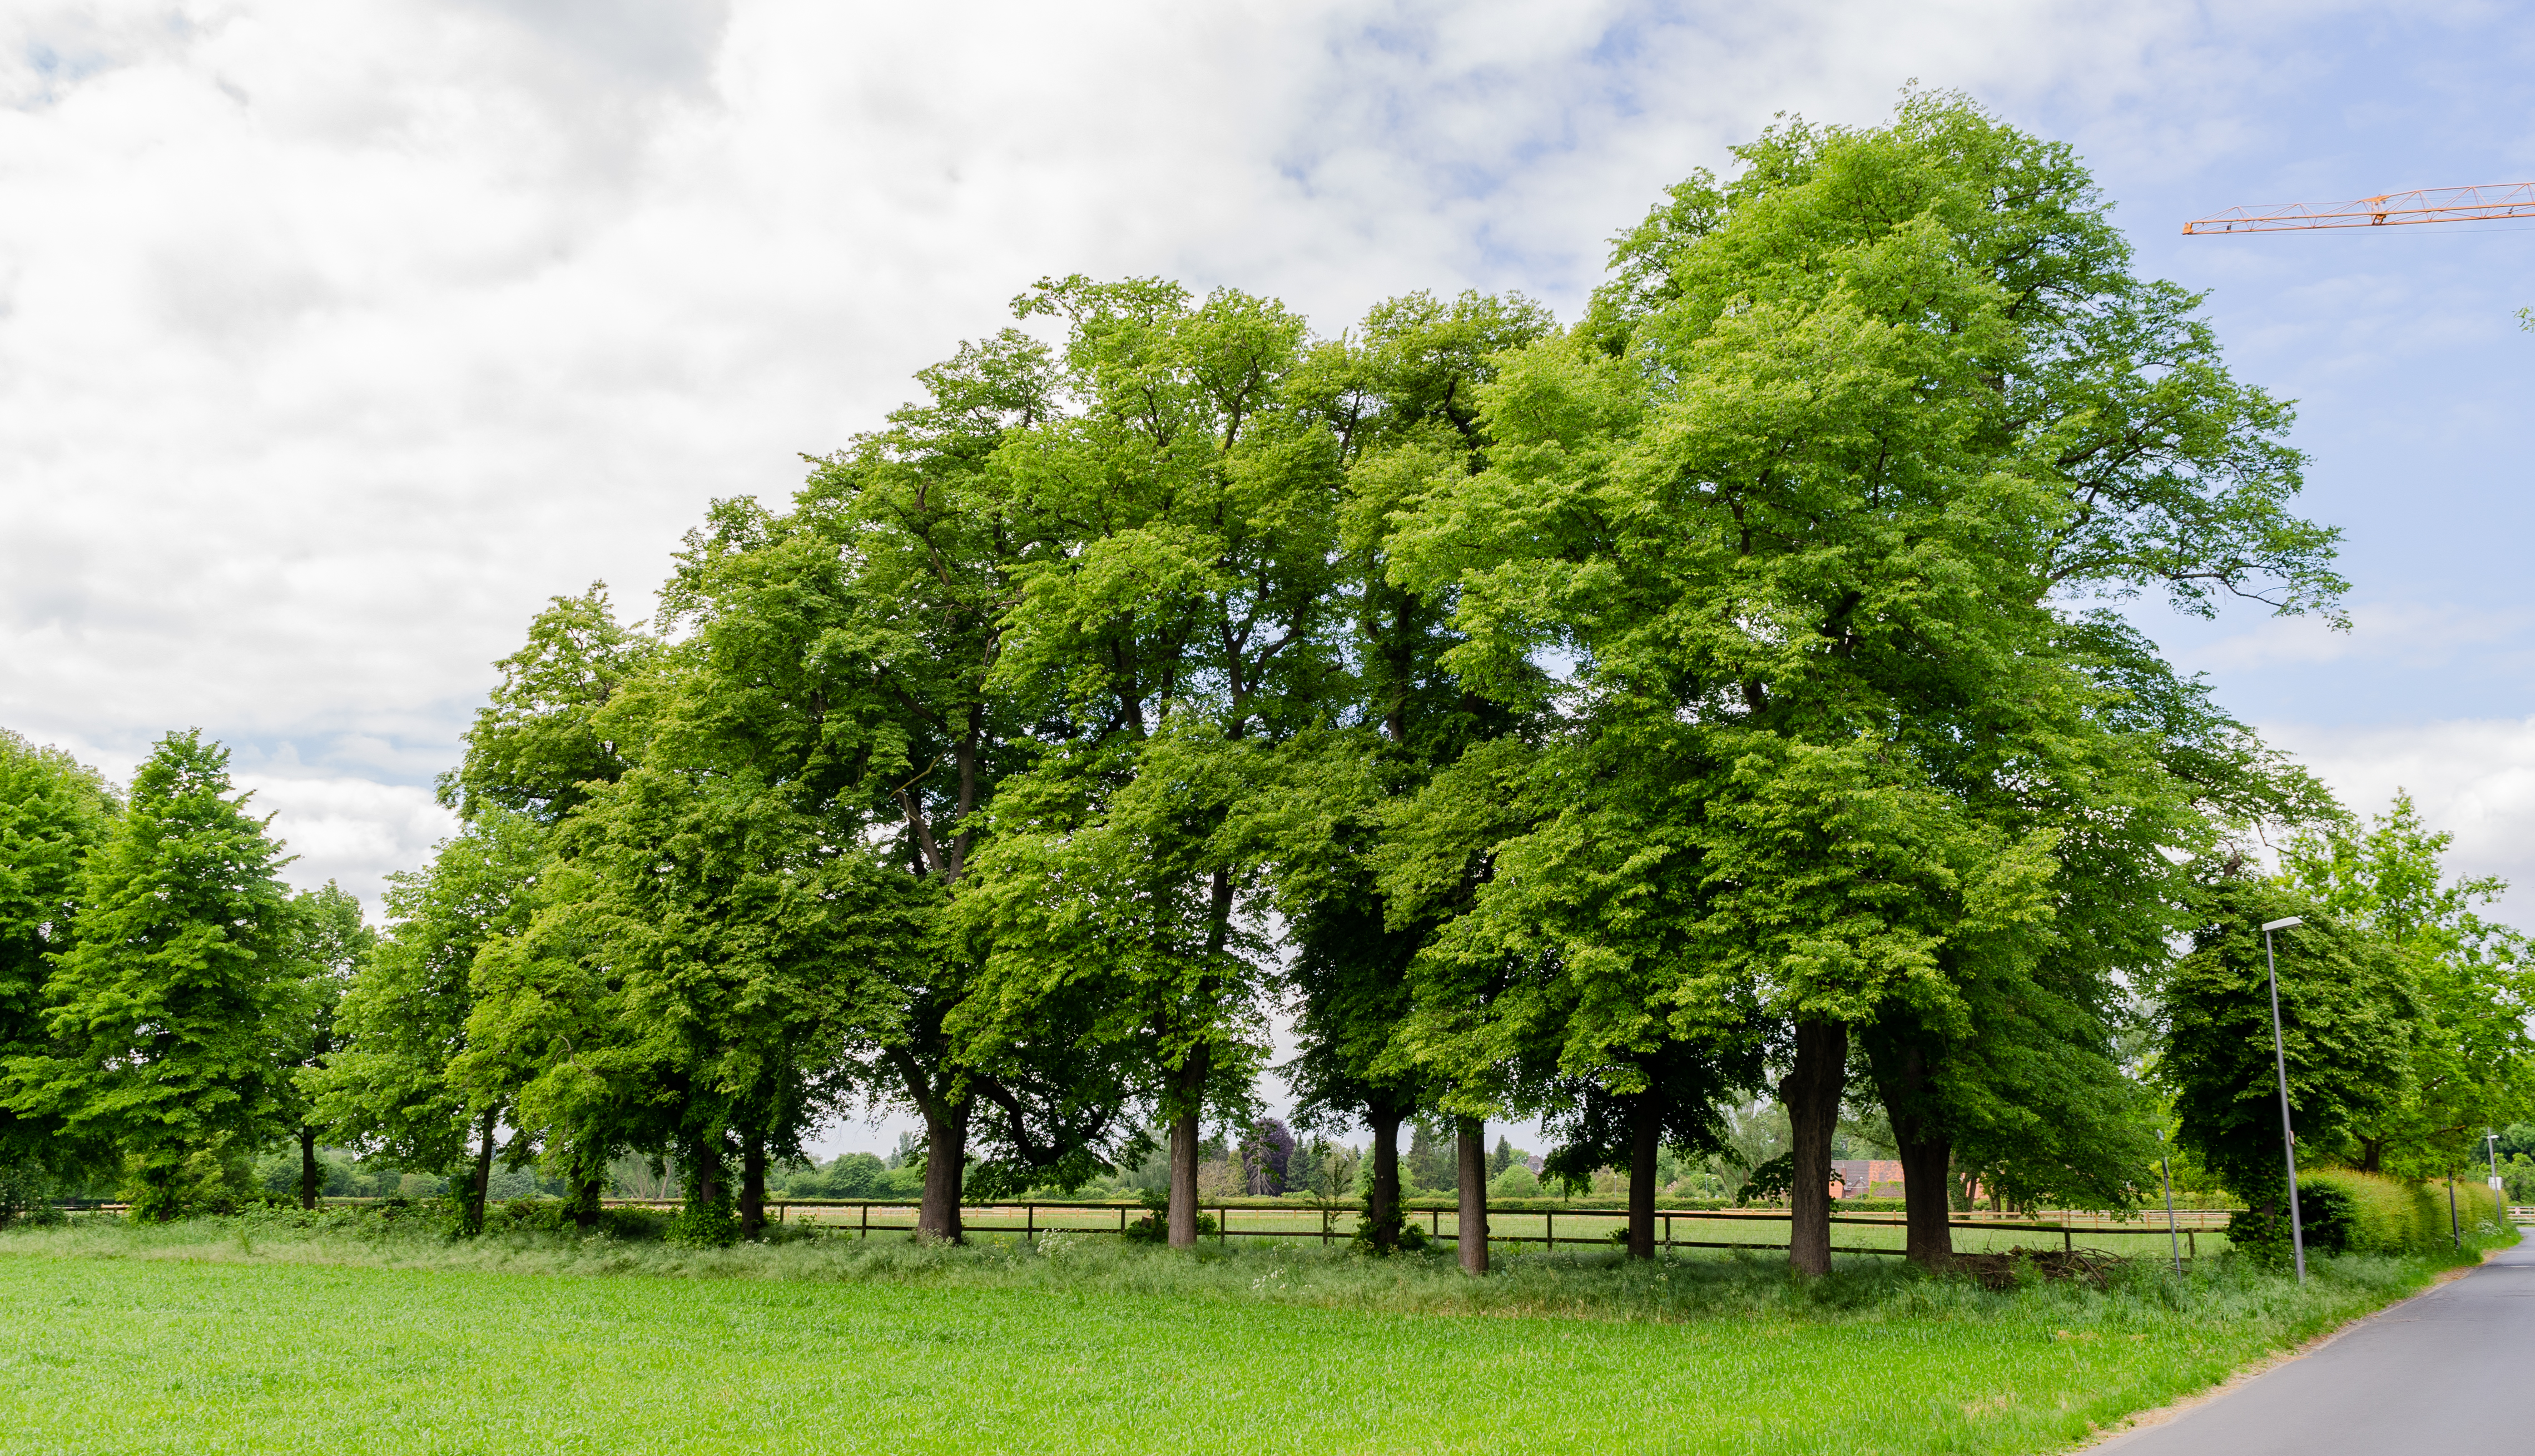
[[703, 1178], [946, 1165], [1382, 1196], [1189, 1093], [480, 1185], [752, 1185], [1927, 1204], [309, 1181], [1472, 1181], [584, 1203], [1811, 1092], [1926, 1148], [1646, 1137], [1183, 1215]]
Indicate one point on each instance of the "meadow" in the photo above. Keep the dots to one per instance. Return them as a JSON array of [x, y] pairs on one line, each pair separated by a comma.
[[260, 1334]]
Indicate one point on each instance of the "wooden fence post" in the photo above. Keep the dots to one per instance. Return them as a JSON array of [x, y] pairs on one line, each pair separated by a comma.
[[1029, 1223], [1548, 1230], [1324, 1228], [1122, 1219], [1223, 1223], [866, 1232]]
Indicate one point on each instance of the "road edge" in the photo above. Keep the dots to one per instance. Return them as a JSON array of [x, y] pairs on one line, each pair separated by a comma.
[[2141, 1420]]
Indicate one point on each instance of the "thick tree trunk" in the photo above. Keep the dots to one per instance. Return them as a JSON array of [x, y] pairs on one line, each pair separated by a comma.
[[1472, 1183], [309, 1181], [1811, 1092], [946, 1165], [1183, 1215], [1646, 1137], [1189, 1094], [586, 1193], [1926, 1190], [1382, 1197], [1926, 1148], [752, 1186], [480, 1185]]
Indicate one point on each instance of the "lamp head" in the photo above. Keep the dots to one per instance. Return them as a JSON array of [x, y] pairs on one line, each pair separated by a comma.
[[2281, 925]]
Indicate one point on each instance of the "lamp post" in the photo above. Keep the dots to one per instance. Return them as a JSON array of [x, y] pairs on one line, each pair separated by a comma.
[[2498, 1191], [2280, 1058], [2165, 1170]]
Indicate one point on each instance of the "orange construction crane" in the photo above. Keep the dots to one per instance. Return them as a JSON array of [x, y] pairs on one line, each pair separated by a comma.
[[2393, 209]]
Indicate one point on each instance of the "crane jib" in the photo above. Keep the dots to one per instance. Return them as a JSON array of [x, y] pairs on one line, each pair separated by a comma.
[[2393, 209]]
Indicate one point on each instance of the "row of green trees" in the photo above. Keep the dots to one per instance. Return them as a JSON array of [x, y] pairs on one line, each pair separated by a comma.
[[1607, 723]]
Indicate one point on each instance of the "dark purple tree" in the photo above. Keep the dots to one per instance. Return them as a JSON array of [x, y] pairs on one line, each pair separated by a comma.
[[1266, 1155]]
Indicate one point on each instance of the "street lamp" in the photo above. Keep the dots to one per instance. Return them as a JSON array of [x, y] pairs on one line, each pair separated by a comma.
[[2498, 1190], [2280, 1058]]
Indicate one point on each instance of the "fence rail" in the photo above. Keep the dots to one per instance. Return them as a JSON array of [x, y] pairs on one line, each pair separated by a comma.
[[1324, 1222], [1331, 1222]]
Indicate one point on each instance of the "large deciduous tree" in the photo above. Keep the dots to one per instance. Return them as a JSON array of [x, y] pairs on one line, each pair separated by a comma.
[[2472, 1061], [2346, 1006], [54, 811], [1807, 502], [1185, 633], [168, 1017]]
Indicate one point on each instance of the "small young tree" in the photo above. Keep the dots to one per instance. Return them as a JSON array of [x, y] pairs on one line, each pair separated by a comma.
[[167, 1016], [333, 945], [388, 1083]]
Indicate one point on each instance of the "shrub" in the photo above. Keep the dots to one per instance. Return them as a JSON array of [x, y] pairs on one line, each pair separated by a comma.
[[1156, 1225], [27, 1193], [705, 1226], [2346, 1211]]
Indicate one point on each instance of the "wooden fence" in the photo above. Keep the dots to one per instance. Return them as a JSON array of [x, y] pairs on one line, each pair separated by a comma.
[[1328, 1223]]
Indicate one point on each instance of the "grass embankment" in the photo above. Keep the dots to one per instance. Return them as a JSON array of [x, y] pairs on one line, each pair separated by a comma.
[[249, 1335]]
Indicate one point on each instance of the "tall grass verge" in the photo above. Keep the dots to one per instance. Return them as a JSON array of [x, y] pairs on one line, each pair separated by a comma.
[[2141, 1295]]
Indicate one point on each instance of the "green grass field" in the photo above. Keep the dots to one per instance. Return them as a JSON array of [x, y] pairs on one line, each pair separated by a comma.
[[246, 1335]]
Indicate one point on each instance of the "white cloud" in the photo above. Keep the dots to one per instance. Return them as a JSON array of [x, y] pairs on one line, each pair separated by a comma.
[[334, 339], [2413, 634], [348, 830], [2474, 778]]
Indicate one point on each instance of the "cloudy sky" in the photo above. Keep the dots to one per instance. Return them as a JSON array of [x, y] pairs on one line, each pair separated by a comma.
[[334, 339]]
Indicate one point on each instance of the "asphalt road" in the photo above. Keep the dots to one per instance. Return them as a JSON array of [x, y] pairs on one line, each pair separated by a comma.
[[2447, 1371]]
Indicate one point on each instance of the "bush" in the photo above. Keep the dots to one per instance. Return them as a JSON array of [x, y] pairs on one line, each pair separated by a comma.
[[705, 1226], [1156, 1225], [27, 1193], [2346, 1211]]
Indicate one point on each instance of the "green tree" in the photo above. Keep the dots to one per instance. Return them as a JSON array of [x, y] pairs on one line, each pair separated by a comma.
[[1169, 652], [1807, 501], [392, 1084], [2346, 1005], [1401, 396], [169, 1016], [54, 811], [2472, 1060], [333, 945]]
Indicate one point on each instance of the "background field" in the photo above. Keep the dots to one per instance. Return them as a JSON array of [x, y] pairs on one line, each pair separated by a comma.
[[233, 1335]]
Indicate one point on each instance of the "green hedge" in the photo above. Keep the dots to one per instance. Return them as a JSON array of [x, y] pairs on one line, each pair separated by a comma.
[[2348, 1211]]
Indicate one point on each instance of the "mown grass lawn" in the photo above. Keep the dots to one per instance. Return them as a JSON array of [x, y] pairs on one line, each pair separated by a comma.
[[281, 1344]]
